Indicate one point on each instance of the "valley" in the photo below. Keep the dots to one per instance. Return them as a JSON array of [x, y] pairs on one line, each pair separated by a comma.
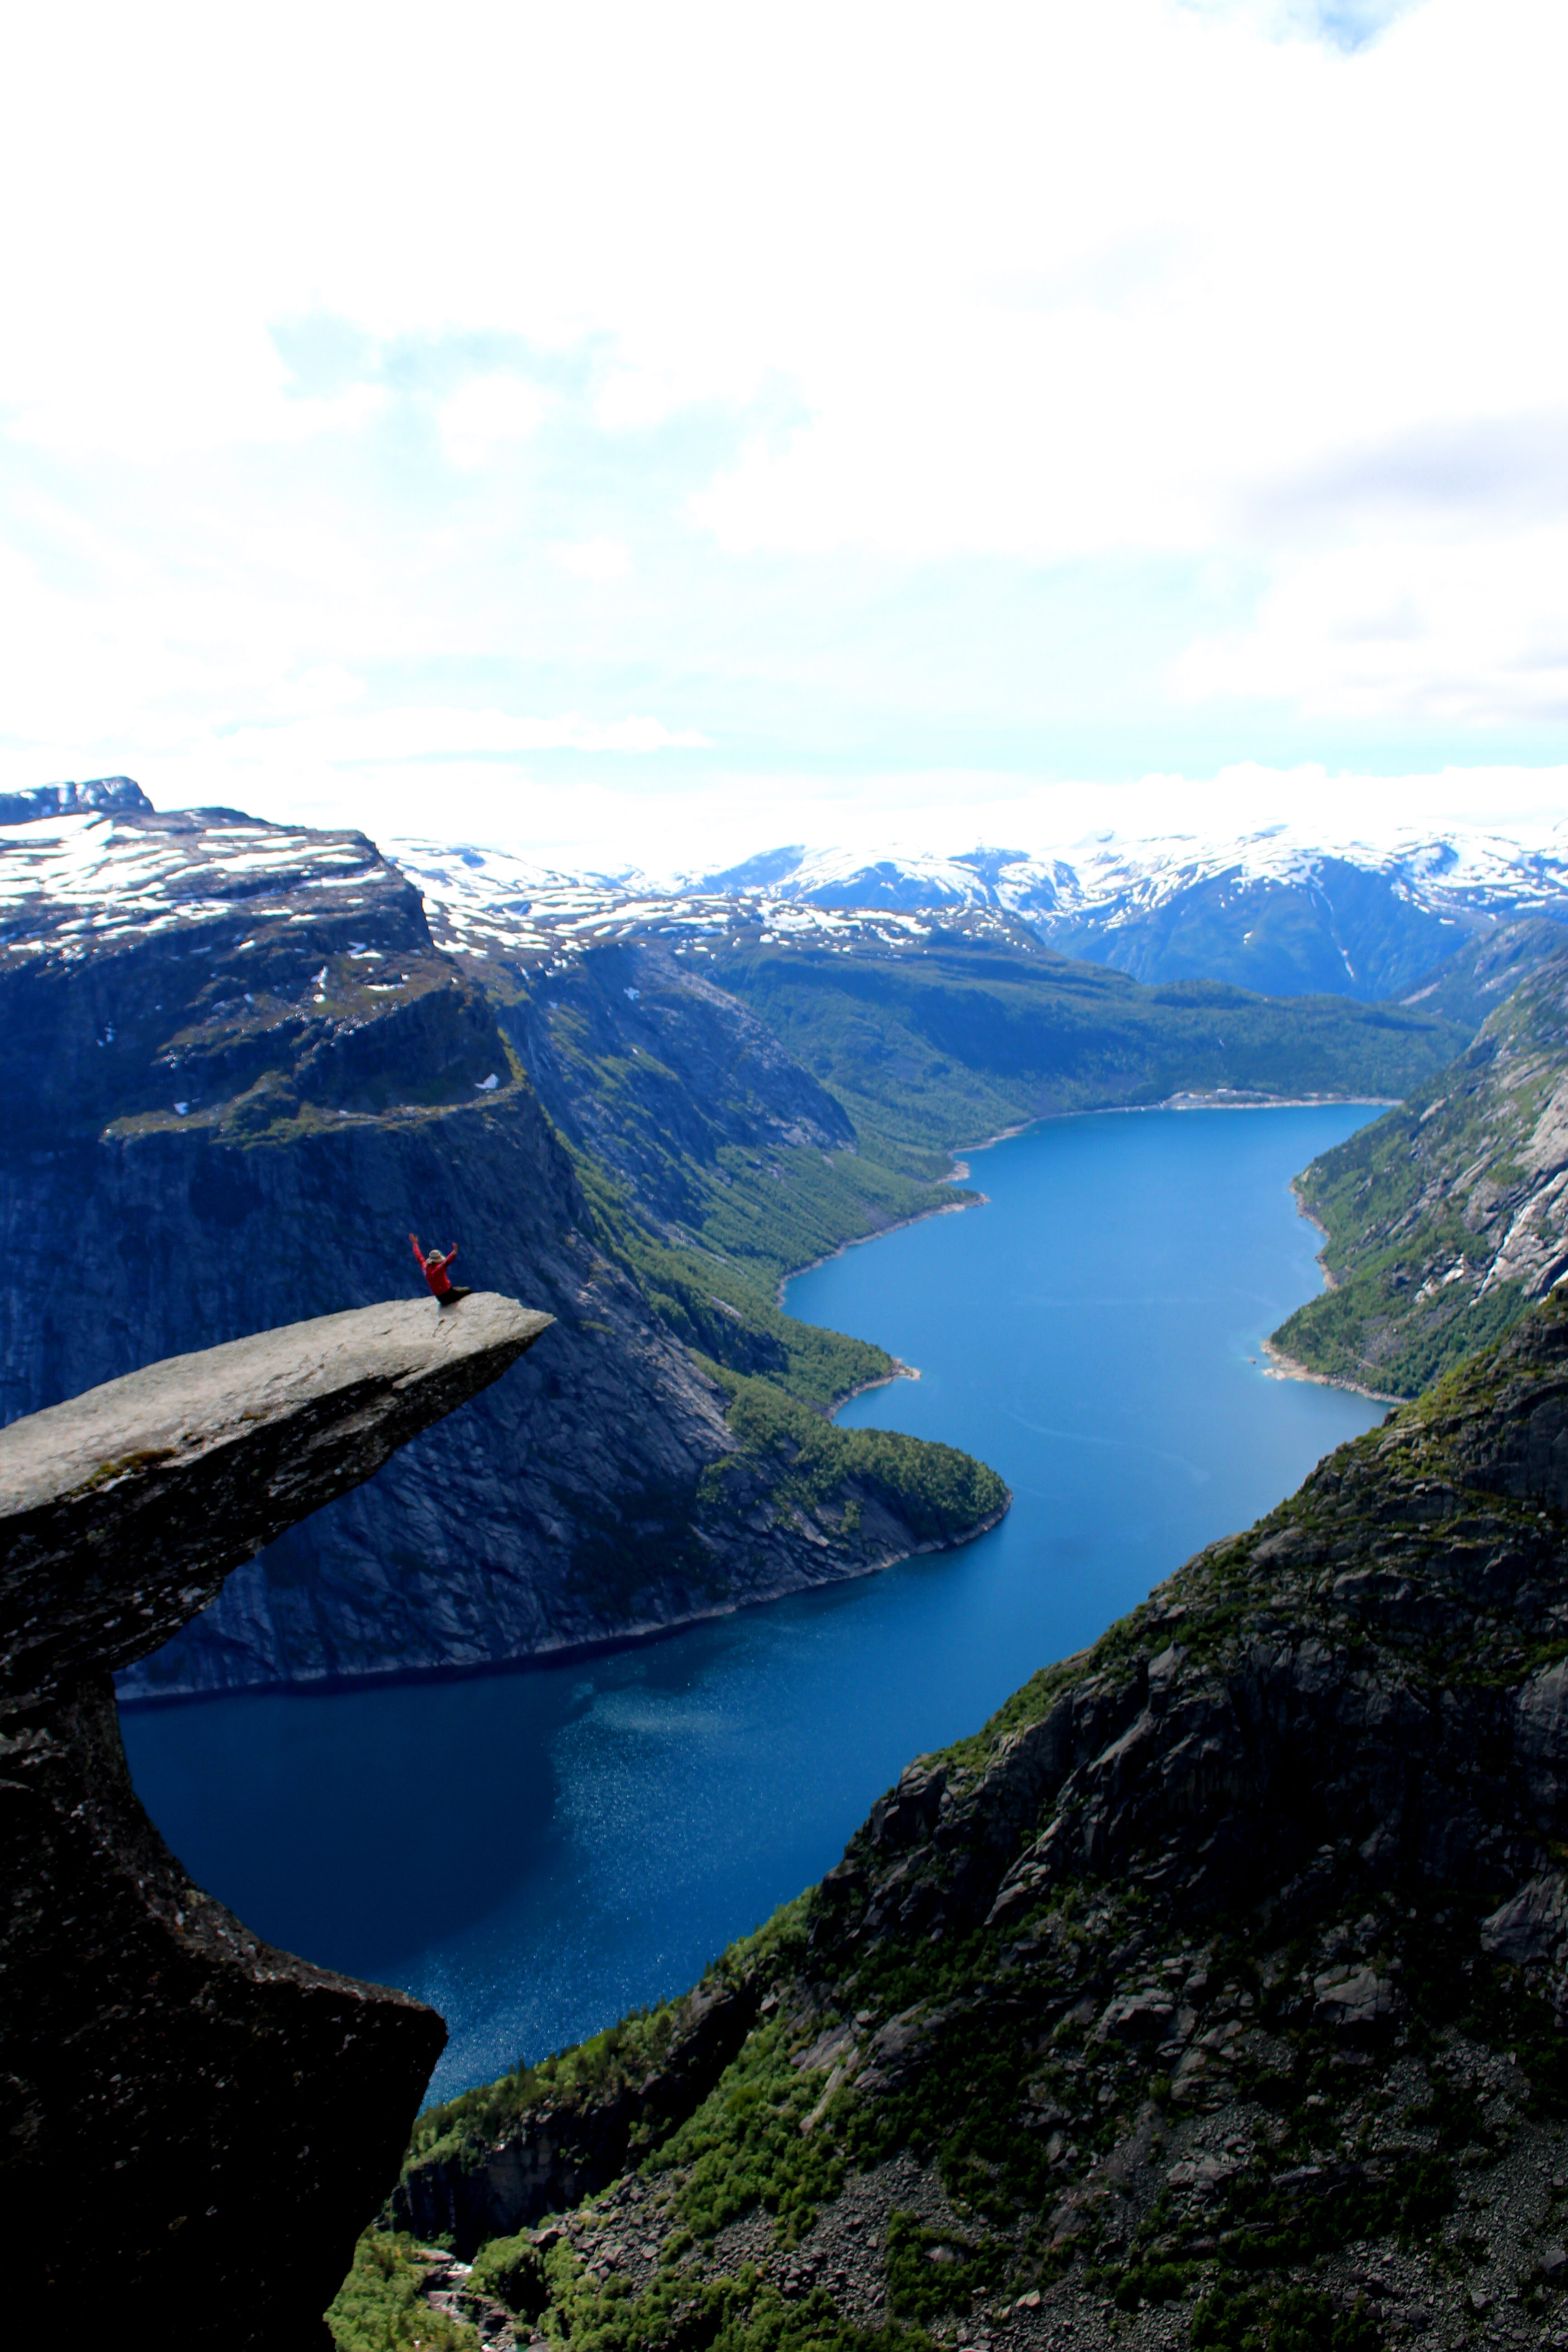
[[538, 1853], [1210, 1994], [247, 1059]]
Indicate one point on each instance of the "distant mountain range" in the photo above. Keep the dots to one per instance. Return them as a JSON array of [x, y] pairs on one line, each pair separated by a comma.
[[1277, 912], [1281, 911], [243, 1060]]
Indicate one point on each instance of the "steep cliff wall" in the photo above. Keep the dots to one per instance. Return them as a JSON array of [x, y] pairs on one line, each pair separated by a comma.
[[1448, 1217], [197, 2126], [242, 1073], [1213, 1994]]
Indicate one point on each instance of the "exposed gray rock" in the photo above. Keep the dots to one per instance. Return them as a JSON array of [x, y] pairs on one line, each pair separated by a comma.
[[198, 2125], [1347, 1998], [1532, 1926], [122, 1512], [236, 1073], [565, 2146], [106, 793]]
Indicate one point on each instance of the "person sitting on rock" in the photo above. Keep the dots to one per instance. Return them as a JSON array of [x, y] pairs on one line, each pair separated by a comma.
[[433, 1269]]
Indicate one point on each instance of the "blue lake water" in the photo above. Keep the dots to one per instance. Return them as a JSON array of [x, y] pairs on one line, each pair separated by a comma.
[[538, 1852]]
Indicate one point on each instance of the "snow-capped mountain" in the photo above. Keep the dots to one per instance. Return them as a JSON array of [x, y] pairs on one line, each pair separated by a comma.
[[94, 877], [486, 902], [1279, 910], [1276, 911]]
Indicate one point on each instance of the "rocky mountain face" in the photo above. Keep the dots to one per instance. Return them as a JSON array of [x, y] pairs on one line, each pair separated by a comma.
[[197, 2126], [241, 1072], [1282, 910], [1213, 1994], [243, 1066], [1279, 912], [1448, 1217], [101, 794]]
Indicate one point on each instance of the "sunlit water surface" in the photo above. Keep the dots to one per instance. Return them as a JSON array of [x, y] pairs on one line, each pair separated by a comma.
[[537, 1852]]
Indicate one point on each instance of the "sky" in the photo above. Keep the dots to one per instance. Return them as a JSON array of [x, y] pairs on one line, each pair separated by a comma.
[[636, 435]]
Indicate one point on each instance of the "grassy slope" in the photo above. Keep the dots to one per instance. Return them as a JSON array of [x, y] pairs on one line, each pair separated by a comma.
[[942, 1045], [1419, 1208], [700, 1149], [717, 1163]]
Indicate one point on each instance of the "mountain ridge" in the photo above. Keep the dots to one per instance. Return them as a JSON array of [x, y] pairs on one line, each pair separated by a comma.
[[1279, 910], [1447, 1217], [1211, 1994], [247, 1058]]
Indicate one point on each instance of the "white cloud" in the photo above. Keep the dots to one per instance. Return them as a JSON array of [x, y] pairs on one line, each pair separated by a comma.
[[488, 412], [1461, 634], [356, 740], [1139, 283], [595, 558]]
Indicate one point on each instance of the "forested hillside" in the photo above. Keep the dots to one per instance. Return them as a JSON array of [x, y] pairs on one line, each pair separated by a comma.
[[947, 1041], [1446, 1218]]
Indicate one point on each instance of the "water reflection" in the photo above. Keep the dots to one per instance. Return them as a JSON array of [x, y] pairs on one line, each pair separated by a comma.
[[537, 1852]]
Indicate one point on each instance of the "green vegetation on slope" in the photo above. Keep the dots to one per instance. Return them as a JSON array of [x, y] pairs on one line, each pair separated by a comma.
[[1043, 2050], [722, 1303], [381, 2306], [1443, 1219], [938, 1491], [933, 1046]]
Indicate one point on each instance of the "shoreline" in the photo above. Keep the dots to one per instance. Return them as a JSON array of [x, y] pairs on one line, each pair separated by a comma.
[[1330, 1280], [563, 1653], [857, 1241], [960, 1174], [901, 1372], [1223, 1101], [1282, 1366]]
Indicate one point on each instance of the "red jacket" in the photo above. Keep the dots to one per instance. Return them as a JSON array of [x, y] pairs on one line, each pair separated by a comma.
[[436, 1276]]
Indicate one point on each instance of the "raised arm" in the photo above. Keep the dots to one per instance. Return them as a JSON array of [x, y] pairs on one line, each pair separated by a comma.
[[418, 1252]]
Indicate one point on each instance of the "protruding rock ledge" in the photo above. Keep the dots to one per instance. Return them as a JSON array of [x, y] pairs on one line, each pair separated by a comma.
[[198, 2125], [123, 1511]]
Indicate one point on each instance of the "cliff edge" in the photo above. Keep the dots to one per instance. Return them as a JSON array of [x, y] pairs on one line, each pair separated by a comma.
[[198, 2125]]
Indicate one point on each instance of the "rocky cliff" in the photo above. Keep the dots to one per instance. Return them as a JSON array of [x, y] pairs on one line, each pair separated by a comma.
[[197, 2126], [241, 1068], [241, 1072], [1213, 1994], [1448, 1217]]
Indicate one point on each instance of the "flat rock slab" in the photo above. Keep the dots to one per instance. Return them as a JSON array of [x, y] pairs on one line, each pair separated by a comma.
[[198, 2125], [123, 1511]]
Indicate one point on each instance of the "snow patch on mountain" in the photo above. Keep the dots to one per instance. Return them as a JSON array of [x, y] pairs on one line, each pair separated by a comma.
[[69, 882], [1278, 909], [1108, 877]]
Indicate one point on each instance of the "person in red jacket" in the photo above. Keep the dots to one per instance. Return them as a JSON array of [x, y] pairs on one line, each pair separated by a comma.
[[433, 1269]]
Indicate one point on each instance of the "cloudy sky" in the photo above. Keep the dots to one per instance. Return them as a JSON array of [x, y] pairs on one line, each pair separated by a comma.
[[649, 433]]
